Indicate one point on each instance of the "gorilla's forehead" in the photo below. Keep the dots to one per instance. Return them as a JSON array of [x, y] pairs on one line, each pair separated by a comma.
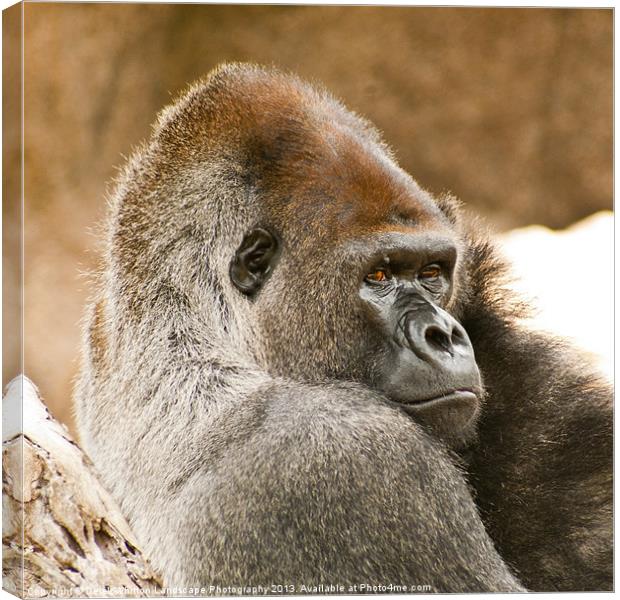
[[340, 179]]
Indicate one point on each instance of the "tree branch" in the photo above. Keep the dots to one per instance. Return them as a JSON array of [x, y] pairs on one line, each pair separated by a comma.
[[63, 534]]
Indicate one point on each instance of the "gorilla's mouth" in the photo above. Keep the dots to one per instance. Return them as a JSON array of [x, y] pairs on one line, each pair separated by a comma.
[[462, 395]]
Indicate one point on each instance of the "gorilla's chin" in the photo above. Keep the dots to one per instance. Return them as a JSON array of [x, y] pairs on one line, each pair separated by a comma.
[[451, 416]]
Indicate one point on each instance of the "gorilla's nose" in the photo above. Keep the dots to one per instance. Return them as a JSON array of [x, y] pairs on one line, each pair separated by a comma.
[[436, 337], [445, 336]]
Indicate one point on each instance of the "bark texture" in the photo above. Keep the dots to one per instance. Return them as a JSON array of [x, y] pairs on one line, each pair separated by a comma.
[[63, 534]]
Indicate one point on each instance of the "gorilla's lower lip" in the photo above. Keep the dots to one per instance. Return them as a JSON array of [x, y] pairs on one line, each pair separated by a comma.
[[466, 395]]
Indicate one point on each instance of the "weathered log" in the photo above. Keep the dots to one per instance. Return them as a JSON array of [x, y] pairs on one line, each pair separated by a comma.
[[63, 534]]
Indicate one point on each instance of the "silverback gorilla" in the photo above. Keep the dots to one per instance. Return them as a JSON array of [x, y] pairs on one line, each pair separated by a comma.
[[278, 380]]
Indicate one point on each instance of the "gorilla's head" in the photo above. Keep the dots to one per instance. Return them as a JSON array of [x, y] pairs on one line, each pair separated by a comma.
[[311, 251]]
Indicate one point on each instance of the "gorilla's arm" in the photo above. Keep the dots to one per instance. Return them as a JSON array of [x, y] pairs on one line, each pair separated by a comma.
[[543, 467], [332, 487]]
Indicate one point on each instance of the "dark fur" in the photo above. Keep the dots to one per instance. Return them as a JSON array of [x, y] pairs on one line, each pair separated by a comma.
[[542, 469], [242, 436]]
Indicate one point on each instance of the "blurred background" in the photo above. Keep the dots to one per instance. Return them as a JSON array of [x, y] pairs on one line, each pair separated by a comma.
[[509, 109]]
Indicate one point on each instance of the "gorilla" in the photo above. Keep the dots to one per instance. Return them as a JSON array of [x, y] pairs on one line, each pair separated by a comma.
[[301, 369]]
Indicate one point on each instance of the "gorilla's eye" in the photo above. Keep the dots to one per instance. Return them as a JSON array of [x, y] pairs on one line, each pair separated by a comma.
[[430, 272], [379, 275]]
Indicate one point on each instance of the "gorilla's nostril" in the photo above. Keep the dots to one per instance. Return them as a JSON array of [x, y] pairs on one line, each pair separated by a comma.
[[437, 338]]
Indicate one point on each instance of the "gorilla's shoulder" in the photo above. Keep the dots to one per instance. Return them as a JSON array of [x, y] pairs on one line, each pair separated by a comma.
[[320, 400], [327, 418]]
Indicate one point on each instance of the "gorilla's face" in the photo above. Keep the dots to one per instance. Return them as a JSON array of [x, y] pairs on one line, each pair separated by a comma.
[[352, 271], [428, 365]]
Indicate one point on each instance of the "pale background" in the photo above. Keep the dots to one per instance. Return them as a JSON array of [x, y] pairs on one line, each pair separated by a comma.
[[510, 109]]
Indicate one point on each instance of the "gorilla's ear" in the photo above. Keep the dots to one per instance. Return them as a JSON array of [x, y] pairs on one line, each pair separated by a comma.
[[253, 261]]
